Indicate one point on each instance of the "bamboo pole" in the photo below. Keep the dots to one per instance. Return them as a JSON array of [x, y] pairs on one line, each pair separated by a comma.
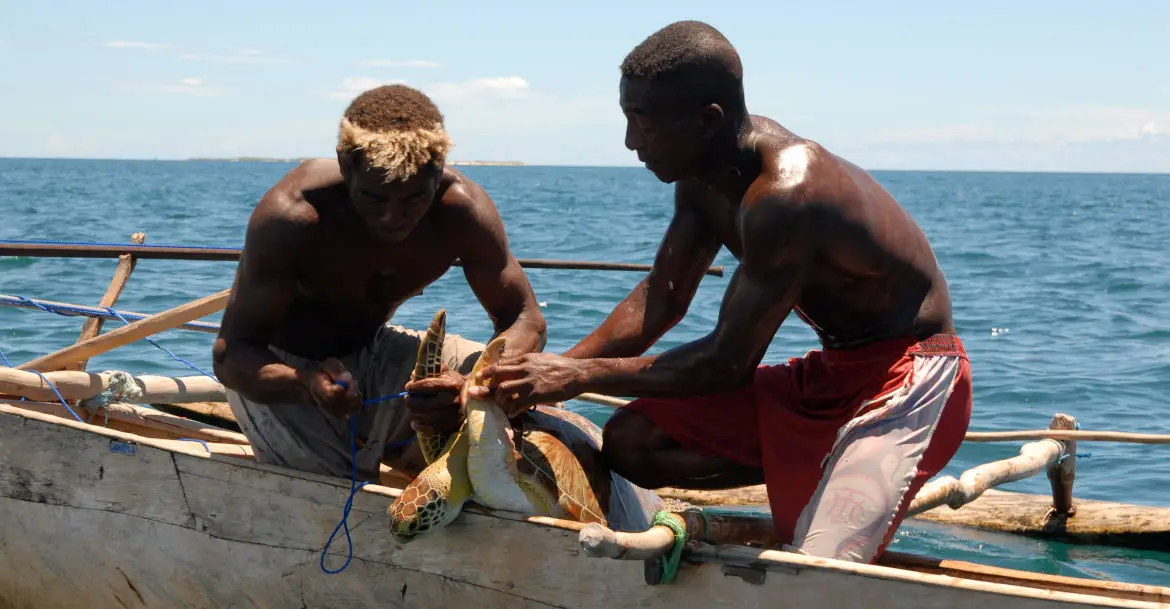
[[175, 252], [81, 385], [93, 325], [1034, 458], [129, 333]]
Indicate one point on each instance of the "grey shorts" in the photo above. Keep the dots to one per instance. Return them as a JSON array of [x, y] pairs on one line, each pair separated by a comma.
[[304, 437]]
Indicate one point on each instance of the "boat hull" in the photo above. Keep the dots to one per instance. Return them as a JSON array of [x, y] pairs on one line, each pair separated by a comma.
[[99, 518]]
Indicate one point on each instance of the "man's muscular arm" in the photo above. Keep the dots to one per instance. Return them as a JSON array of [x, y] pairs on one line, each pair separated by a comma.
[[263, 289], [493, 273], [662, 298], [762, 292]]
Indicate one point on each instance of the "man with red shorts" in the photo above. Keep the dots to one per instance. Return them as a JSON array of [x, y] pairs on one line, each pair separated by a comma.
[[846, 435]]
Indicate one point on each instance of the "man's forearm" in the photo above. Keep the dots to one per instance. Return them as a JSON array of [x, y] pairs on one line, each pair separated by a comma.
[[258, 375], [690, 369], [525, 335], [629, 330]]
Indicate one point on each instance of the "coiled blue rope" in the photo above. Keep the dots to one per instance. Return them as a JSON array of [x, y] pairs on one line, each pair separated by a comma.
[[354, 486]]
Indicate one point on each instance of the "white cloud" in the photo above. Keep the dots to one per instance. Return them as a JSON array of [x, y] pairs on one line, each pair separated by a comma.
[[400, 63], [478, 89], [130, 44], [1060, 125], [241, 56], [475, 90], [189, 86]]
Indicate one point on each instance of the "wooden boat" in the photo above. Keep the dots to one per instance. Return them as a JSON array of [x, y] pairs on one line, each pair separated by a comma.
[[98, 517], [135, 507]]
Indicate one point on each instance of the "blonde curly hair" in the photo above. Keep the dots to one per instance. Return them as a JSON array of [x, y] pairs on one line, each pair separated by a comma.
[[398, 129]]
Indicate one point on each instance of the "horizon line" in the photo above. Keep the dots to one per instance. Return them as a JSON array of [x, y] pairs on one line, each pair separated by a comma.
[[522, 164]]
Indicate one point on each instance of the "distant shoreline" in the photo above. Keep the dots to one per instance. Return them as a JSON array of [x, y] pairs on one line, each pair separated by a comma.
[[260, 159]]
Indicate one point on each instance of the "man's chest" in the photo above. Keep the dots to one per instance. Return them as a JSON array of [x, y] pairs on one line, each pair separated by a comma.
[[362, 272]]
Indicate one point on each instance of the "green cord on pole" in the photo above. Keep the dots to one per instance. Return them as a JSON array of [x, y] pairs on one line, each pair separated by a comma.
[[671, 560]]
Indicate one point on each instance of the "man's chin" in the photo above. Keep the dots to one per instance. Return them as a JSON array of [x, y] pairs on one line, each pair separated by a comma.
[[392, 236]]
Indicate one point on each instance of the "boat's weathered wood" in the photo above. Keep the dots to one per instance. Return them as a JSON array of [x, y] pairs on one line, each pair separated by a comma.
[[1095, 522], [213, 413], [171, 252], [80, 385], [970, 570], [93, 326], [199, 530], [144, 421], [129, 333]]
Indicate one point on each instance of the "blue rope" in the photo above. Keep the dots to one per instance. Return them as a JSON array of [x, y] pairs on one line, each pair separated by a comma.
[[47, 382], [67, 310], [205, 446], [169, 352], [354, 486]]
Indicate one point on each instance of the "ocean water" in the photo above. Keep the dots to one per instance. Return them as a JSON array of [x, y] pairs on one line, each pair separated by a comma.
[[1060, 285]]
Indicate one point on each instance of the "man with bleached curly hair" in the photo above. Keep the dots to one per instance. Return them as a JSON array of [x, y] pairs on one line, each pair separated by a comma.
[[330, 253]]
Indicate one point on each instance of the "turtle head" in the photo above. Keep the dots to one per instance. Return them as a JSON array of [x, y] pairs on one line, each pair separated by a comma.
[[492, 354], [419, 509]]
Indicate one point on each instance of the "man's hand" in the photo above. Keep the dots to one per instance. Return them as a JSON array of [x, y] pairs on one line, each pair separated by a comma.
[[333, 389], [533, 378], [434, 402]]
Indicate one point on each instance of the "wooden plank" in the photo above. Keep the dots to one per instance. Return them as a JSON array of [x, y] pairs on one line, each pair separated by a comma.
[[213, 413], [1095, 522], [144, 421], [43, 463], [93, 326], [129, 333]]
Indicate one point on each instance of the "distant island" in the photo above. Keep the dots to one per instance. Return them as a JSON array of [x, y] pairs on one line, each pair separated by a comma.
[[263, 159], [512, 163]]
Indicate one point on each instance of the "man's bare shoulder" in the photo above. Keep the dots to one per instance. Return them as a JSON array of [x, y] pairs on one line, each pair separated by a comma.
[[462, 200], [287, 200], [284, 218]]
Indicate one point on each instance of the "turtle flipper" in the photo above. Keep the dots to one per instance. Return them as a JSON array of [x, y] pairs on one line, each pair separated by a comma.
[[429, 364], [436, 496]]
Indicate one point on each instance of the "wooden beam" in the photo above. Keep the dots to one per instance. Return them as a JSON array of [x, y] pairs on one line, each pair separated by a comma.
[[93, 326], [173, 252], [127, 334]]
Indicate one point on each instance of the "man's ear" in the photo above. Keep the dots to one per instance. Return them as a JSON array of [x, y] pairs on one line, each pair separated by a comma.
[[343, 158], [711, 120]]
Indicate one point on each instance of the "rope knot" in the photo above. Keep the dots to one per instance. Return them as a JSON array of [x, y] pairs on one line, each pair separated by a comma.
[[671, 560]]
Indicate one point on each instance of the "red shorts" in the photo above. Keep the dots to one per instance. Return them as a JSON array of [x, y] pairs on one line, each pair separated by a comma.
[[846, 437]]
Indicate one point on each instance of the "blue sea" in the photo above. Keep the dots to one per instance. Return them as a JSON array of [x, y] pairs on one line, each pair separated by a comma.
[[1060, 285]]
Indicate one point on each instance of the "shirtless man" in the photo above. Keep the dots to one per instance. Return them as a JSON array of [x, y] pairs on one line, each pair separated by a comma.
[[844, 436], [331, 251]]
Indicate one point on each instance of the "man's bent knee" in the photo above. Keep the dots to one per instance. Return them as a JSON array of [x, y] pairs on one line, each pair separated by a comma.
[[626, 446]]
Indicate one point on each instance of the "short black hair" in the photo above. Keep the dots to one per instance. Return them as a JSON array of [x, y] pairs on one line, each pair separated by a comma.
[[393, 108], [692, 54]]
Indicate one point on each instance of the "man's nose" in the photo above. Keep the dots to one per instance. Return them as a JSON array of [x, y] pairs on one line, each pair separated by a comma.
[[633, 139]]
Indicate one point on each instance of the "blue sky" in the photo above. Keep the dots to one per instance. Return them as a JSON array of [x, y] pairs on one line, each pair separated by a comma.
[[1064, 86]]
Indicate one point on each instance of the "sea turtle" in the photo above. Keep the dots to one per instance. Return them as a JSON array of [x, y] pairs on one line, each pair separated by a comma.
[[552, 468]]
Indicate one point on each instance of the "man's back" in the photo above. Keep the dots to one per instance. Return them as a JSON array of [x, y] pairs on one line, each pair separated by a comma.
[[871, 273]]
